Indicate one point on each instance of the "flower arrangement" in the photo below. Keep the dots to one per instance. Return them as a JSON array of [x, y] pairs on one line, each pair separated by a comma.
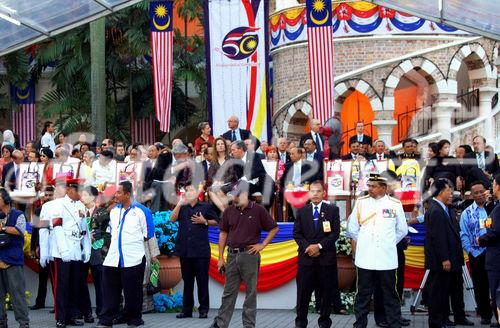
[[343, 243], [347, 300], [165, 232], [8, 304], [167, 303]]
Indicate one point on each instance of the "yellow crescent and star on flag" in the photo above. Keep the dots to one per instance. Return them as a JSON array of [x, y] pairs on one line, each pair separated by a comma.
[[160, 14], [319, 13]]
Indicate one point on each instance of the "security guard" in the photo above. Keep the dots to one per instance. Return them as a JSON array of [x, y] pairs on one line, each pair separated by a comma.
[[377, 223], [70, 245]]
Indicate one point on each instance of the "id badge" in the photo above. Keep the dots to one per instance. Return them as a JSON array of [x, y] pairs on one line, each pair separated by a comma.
[[326, 226]]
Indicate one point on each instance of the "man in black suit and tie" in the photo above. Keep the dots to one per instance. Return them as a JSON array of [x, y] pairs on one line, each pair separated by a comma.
[[443, 258], [491, 240], [482, 164], [207, 154], [318, 138], [235, 134], [381, 154], [353, 151], [11, 173], [283, 154], [244, 165], [312, 155], [360, 136], [316, 229], [298, 171]]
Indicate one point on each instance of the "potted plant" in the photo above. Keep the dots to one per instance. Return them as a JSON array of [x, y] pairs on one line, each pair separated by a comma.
[[170, 265], [345, 268]]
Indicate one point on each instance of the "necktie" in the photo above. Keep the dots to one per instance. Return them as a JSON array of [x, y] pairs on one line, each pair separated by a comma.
[[233, 138], [318, 144], [360, 138], [18, 172], [283, 157], [296, 175], [316, 217], [379, 157], [480, 161]]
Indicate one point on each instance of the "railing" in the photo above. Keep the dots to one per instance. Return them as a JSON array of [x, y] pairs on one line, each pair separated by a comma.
[[469, 108], [414, 123], [368, 130]]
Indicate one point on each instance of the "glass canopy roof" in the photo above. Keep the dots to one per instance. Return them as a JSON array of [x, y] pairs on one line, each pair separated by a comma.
[[24, 22], [481, 17]]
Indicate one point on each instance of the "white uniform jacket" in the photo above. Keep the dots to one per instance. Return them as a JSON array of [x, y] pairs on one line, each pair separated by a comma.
[[70, 234], [377, 225]]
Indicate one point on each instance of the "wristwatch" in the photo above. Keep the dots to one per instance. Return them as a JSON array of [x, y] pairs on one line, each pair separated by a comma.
[[206, 222]]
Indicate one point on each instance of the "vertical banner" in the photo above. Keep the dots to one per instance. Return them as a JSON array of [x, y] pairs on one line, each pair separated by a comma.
[[320, 51], [237, 46], [143, 131], [161, 22], [24, 115]]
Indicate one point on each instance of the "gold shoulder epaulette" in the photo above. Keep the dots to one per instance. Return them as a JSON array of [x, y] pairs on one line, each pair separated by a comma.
[[394, 199]]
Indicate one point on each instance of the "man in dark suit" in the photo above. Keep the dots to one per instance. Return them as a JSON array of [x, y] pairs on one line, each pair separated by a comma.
[[381, 153], [316, 229], [207, 153], [11, 173], [443, 258], [154, 167], [251, 149], [298, 171], [312, 155], [360, 136], [283, 154], [234, 133], [353, 151], [482, 164], [491, 240], [318, 138], [244, 165]]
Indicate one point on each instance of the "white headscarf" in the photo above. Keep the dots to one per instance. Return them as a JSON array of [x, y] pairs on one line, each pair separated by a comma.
[[8, 138]]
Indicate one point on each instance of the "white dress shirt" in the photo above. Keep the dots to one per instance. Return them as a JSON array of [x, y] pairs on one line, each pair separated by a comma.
[[297, 173], [48, 140], [320, 145], [102, 174], [129, 227], [377, 225]]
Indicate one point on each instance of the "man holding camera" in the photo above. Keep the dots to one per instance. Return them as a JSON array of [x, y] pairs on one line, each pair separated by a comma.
[[240, 229]]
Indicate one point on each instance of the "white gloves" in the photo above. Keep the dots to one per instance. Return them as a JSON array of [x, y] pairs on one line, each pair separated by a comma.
[[44, 260], [86, 257]]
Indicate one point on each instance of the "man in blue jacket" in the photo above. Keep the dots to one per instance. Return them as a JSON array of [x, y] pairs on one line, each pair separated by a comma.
[[12, 227]]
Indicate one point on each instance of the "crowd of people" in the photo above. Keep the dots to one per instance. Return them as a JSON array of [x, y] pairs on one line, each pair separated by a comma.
[[93, 213]]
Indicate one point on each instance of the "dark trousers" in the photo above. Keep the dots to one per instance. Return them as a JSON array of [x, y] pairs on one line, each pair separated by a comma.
[[365, 289], [66, 289], [43, 277], [307, 278], [494, 282], [481, 286], [378, 299], [443, 287], [191, 269], [84, 304], [96, 271], [116, 279]]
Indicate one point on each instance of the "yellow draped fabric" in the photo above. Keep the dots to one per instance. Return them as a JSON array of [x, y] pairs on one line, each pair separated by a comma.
[[272, 254]]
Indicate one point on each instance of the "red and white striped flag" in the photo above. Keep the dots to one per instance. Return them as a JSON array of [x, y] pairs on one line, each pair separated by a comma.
[[320, 49], [24, 116], [143, 131], [161, 22]]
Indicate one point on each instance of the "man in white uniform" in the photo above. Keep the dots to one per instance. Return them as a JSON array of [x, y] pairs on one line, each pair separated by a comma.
[[70, 244], [377, 223]]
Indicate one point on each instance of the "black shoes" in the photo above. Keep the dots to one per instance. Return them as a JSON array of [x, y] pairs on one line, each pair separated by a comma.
[[203, 315], [464, 322], [382, 324], [60, 324], [88, 318], [74, 322], [183, 315], [37, 307]]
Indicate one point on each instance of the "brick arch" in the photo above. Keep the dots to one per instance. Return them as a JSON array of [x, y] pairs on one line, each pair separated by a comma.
[[480, 63], [344, 90], [303, 105], [429, 71]]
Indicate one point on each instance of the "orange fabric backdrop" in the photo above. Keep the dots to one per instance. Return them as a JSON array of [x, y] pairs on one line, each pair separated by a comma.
[[404, 99], [349, 116]]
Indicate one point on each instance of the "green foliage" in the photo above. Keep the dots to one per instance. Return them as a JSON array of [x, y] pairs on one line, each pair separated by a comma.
[[128, 72]]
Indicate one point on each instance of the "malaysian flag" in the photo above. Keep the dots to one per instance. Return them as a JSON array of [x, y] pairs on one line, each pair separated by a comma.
[[24, 114], [320, 48], [143, 131], [161, 22]]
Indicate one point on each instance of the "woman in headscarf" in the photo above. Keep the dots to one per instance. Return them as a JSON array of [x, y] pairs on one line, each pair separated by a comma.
[[9, 139]]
